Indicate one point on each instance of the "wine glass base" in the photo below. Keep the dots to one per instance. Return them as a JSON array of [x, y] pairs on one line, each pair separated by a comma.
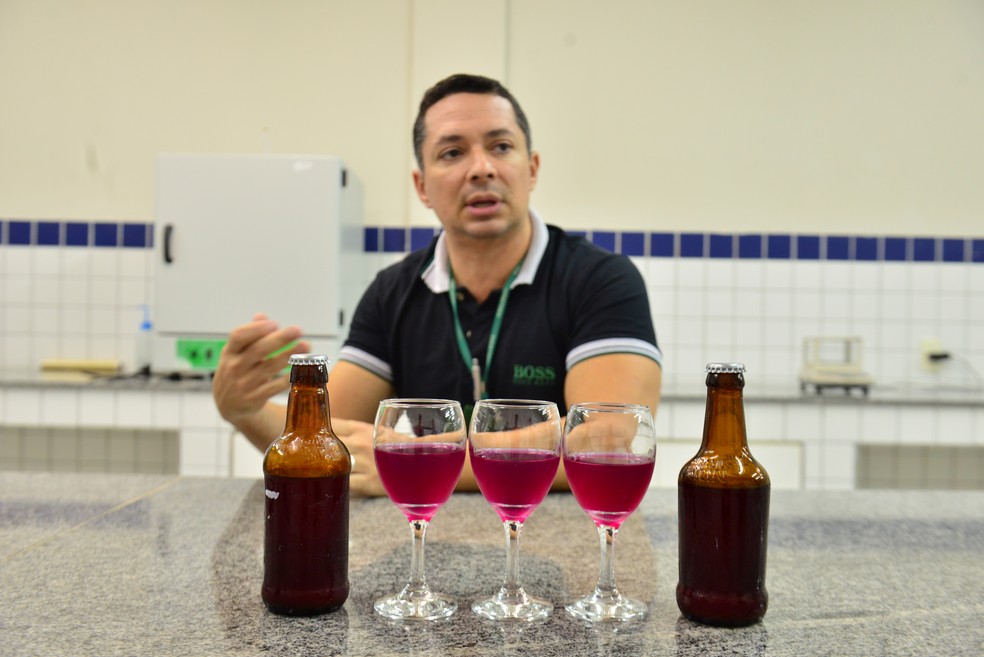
[[433, 606], [595, 608], [532, 609]]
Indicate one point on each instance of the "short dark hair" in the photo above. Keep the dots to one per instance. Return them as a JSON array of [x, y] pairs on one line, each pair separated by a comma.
[[463, 83]]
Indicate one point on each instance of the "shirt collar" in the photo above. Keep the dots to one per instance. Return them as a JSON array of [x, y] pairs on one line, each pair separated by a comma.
[[437, 274]]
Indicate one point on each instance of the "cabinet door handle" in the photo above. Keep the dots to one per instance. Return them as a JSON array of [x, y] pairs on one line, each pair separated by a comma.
[[168, 230]]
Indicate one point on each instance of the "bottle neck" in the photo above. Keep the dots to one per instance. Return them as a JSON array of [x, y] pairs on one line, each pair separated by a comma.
[[307, 403], [724, 417]]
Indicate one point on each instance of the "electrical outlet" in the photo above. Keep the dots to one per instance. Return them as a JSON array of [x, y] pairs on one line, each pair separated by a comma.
[[928, 347]]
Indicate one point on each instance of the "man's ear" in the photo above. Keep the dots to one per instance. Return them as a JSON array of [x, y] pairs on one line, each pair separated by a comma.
[[534, 169], [418, 185]]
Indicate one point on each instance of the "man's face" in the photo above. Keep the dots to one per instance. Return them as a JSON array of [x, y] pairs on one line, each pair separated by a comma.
[[477, 174]]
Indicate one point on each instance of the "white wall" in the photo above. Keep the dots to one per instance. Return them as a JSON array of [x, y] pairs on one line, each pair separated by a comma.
[[758, 115], [844, 118], [93, 90], [711, 115]]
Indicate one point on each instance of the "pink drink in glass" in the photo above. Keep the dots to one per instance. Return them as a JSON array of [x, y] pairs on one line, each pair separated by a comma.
[[514, 481], [419, 477], [608, 486]]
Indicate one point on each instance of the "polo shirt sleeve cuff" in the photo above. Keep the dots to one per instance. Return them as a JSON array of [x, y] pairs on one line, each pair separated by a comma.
[[614, 346], [366, 361]]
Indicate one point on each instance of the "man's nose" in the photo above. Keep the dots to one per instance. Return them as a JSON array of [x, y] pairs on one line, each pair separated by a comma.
[[482, 165]]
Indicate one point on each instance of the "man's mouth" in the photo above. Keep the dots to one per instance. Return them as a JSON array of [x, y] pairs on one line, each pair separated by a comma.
[[483, 206], [482, 200]]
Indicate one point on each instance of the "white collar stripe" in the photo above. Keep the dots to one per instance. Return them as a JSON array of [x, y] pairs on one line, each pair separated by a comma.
[[436, 274], [366, 361], [613, 346]]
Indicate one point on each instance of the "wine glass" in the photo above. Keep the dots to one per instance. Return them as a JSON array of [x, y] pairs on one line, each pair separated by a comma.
[[514, 447], [609, 456], [419, 447]]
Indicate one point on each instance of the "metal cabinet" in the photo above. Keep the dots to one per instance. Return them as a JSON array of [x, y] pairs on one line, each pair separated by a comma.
[[240, 234]]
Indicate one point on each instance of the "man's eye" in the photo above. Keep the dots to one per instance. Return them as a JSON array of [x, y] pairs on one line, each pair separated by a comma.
[[449, 154], [503, 147]]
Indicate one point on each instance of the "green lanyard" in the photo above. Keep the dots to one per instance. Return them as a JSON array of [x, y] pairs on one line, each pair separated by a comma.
[[478, 378]]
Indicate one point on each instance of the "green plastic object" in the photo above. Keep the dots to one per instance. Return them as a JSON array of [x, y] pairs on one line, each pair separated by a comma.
[[200, 354], [204, 354]]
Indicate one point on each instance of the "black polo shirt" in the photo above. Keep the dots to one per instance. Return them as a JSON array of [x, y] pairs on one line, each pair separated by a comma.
[[571, 301]]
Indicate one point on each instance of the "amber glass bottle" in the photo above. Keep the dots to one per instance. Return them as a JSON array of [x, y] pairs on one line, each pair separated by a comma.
[[723, 505], [306, 471]]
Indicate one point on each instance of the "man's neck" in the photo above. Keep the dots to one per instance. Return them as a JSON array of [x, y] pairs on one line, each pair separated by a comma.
[[484, 265]]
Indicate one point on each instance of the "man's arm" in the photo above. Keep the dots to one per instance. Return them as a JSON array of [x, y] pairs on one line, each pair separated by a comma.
[[248, 377], [354, 394], [625, 378]]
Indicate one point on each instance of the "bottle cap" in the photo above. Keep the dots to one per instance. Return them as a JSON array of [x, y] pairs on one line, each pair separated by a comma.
[[308, 359], [725, 368]]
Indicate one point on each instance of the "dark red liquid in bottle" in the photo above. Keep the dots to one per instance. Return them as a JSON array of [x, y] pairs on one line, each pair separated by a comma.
[[723, 538], [306, 550]]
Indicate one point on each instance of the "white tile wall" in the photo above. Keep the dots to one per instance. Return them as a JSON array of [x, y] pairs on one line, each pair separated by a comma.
[[917, 426], [76, 302], [133, 408], [880, 425], [166, 407], [60, 407], [892, 310], [71, 302], [801, 444], [22, 407], [104, 449], [204, 452], [205, 439], [97, 408], [956, 427]]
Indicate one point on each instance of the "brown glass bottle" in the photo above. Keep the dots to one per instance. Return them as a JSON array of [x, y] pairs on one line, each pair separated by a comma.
[[306, 473], [723, 505]]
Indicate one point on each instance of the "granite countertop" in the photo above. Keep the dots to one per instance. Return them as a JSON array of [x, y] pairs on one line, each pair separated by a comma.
[[919, 392], [152, 565], [172, 381]]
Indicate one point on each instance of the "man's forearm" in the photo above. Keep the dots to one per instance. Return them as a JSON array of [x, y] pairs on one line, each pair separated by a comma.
[[263, 427]]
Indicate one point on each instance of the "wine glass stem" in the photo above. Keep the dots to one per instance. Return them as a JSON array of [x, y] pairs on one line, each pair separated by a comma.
[[606, 574], [417, 582], [511, 586]]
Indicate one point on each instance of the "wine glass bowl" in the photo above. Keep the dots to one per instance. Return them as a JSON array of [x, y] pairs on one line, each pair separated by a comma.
[[419, 448], [514, 447], [609, 452]]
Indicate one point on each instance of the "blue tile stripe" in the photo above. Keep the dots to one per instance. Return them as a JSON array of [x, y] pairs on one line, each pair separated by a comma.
[[838, 248], [421, 237], [22, 232], [605, 239], [386, 239]]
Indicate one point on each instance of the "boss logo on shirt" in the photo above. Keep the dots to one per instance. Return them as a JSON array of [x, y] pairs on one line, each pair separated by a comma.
[[534, 375]]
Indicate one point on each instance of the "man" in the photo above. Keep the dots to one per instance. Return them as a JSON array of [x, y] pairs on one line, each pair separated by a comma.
[[499, 305]]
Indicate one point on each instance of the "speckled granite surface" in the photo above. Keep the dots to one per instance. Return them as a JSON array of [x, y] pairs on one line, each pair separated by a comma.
[[141, 565]]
